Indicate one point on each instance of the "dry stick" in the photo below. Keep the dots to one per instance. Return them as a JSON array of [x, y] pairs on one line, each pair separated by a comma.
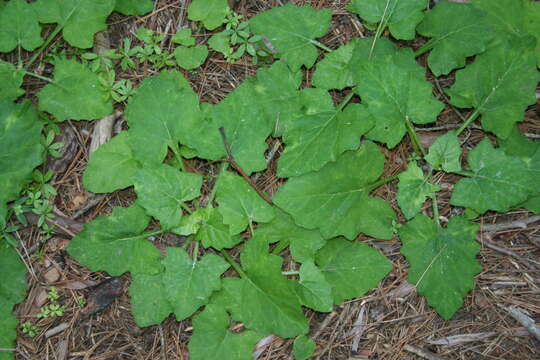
[[523, 319], [423, 353], [520, 224], [490, 244], [231, 160]]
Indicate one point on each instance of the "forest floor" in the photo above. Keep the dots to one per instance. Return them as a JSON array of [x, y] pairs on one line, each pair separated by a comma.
[[390, 322]]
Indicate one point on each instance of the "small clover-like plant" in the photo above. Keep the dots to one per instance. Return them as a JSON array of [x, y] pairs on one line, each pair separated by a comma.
[[30, 329]]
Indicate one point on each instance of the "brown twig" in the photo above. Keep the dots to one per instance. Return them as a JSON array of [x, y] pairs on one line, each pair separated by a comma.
[[517, 224]]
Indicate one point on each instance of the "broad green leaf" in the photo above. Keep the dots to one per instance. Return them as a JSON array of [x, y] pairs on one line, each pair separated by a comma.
[[183, 37], [313, 289], [149, 302], [468, 34], [401, 16], [214, 233], [351, 268], [239, 203], [74, 93], [212, 339], [316, 139], [20, 141], [20, 26], [396, 91], [11, 80], [336, 199], [532, 24], [445, 153], [497, 181], [335, 71], [191, 224], [12, 292], [210, 12], [111, 166], [413, 189], [220, 42], [370, 49], [162, 191], [161, 112], [79, 20], [501, 94], [134, 7], [443, 261], [303, 242], [191, 57], [303, 348], [117, 244], [291, 31]]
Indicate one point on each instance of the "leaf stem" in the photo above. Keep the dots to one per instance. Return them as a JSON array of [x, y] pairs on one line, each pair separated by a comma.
[[424, 48], [417, 145], [287, 273], [176, 150], [212, 195], [464, 173], [187, 242], [282, 244], [469, 120], [382, 182], [346, 100], [152, 233], [195, 252], [435, 207], [320, 45], [45, 44], [234, 264], [44, 78]]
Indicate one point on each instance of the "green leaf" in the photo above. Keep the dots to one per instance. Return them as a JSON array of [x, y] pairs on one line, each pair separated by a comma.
[[316, 139], [20, 27], [313, 289], [445, 153], [336, 199], [501, 94], [443, 261], [117, 244], [111, 166], [396, 91], [212, 339], [220, 42], [335, 71], [497, 182], [370, 49], [11, 80], [183, 37], [291, 30], [162, 190], [160, 114], [192, 223], [134, 7], [303, 348], [351, 268], [413, 189], [214, 233], [191, 57], [532, 24], [466, 35], [149, 303], [303, 242], [20, 135], [74, 93], [80, 20], [239, 203], [401, 17], [210, 12], [12, 291]]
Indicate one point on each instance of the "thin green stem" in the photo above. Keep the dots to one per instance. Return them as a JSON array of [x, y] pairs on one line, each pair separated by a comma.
[[44, 78], [287, 273], [435, 207], [464, 173], [176, 151], [380, 28], [469, 120], [186, 208], [282, 244], [45, 44], [212, 195], [417, 145], [234, 264], [152, 233], [320, 45], [424, 48], [382, 182], [195, 252], [187, 242], [346, 100]]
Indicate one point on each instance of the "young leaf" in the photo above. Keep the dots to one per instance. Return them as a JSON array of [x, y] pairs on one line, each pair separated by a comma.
[[11, 80], [74, 93], [134, 7], [401, 17], [20, 26], [239, 204], [214, 233], [336, 199], [445, 153], [191, 57], [442, 261], [117, 244], [413, 189], [20, 134], [501, 94], [396, 91], [316, 139], [212, 339], [162, 190], [351, 268], [313, 289], [303, 348], [12, 291], [210, 12], [79, 20], [293, 39], [183, 37], [111, 166], [466, 35], [497, 182], [335, 71]]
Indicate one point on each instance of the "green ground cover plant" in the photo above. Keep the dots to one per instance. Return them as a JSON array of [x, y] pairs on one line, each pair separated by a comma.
[[331, 163]]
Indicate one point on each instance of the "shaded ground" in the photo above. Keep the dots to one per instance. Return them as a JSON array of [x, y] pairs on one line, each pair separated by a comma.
[[390, 322]]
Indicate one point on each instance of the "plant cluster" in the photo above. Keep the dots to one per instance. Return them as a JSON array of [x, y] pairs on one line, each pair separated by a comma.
[[331, 163]]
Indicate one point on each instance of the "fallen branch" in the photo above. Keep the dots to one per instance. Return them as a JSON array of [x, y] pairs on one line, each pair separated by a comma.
[[423, 353], [516, 224], [490, 244], [522, 318]]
